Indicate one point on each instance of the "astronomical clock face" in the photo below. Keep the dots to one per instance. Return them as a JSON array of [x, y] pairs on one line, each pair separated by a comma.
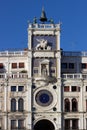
[[44, 42], [44, 98]]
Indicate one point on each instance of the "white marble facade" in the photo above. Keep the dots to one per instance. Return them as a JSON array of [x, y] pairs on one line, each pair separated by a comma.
[[43, 87]]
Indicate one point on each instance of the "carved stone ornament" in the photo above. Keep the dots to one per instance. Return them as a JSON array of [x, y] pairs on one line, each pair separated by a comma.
[[42, 45]]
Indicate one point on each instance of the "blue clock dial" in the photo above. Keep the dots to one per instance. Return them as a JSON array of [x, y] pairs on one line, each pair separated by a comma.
[[44, 98]]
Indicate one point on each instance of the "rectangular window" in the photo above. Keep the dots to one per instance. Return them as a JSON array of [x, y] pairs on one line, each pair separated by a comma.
[[74, 88], [84, 65], [20, 124], [71, 65], [86, 88], [35, 71], [52, 70], [1, 66], [0, 123], [20, 88], [21, 65], [66, 88], [64, 65], [13, 88], [86, 105], [67, 124], [75, 124], [13, 124], [14, 65], [78, 89]]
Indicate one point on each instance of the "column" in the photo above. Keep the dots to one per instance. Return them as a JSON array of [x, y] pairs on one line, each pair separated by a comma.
[[58, 65], [5, 97], [16, 104], [29, 39], [5, 122]]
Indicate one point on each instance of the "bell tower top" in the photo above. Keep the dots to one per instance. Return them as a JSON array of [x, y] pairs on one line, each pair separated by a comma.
[[43, 17], [43, 29]]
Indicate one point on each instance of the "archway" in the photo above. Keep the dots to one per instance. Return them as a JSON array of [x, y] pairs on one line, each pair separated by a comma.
[[44, 125]]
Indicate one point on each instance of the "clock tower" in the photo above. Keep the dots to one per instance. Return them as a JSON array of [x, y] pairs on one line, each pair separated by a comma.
[[44, 57]]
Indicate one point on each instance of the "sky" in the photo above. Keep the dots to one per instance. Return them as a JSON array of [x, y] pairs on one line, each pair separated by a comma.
[[16, 14]]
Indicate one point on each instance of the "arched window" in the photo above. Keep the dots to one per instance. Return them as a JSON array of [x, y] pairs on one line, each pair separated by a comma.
[[67, 105], [74, 105], [20, 104], [13, 105]]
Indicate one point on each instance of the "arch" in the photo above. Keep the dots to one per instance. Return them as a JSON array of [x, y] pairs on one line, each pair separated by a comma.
[[67, 105], [44, 124], [13, 104], [74, 105], [20, 104]]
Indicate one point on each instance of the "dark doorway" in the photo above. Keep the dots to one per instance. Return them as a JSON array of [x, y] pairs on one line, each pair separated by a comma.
[[44, 125]]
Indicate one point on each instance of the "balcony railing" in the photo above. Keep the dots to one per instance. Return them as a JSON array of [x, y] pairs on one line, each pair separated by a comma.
[[40, 26], [70, 53], [13, 75], [25, 75], [13, 53], [74, 76]]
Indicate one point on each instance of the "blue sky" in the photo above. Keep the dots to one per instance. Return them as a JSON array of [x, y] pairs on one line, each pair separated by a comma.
[[15, 14]]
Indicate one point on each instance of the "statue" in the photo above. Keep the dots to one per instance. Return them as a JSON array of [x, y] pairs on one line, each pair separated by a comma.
[[43, 45], [44, 70]]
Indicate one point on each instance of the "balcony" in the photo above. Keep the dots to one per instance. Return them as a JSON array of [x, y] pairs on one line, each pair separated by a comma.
[[44, 26], [70, 53], [13, 75], [74, 76], [13, 53]]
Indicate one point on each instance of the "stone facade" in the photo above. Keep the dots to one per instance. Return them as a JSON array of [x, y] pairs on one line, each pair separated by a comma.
[[43, 87]]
